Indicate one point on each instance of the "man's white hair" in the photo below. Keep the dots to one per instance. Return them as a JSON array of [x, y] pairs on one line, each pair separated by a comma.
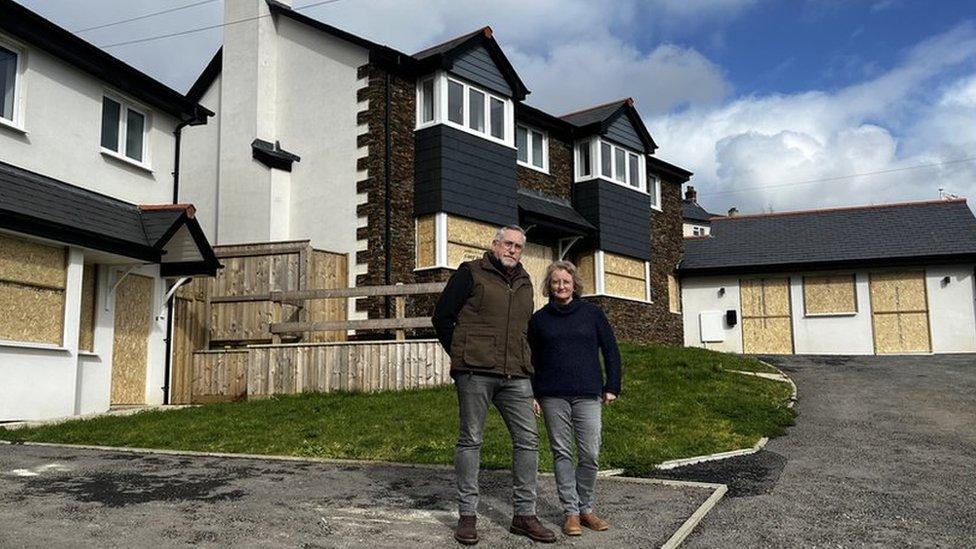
[[500, 233]]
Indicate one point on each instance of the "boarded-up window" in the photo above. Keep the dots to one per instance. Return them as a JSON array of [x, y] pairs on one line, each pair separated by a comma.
[[32, 283], [674, 294], [625, 277], [831, 294], [467, 239], [86, 333], [587, 273], [426, 242]]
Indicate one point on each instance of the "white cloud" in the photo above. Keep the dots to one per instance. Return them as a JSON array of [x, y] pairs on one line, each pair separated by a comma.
[[900, 119]]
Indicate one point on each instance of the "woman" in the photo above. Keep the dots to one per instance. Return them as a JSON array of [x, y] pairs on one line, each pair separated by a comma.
[[567, 337]]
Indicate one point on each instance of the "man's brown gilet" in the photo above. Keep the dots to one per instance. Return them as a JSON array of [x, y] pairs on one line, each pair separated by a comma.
[[490, 334]]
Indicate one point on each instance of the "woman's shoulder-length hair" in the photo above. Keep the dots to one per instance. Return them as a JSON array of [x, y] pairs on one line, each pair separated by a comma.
[[563, 266]]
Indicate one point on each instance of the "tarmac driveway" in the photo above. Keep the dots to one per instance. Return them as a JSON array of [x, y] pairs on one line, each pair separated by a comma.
[[54, 497], [883, 454]]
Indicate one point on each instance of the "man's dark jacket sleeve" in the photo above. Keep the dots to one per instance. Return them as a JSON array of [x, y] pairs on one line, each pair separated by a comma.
[[449, 305]]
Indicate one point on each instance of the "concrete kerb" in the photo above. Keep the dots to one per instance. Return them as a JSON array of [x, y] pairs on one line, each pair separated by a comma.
[[780, 377], [614, 475], [128, 411]]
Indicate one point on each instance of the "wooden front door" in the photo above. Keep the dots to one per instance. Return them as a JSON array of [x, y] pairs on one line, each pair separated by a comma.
[[535, 259], [133, 311], [899, 311], [767, 326]]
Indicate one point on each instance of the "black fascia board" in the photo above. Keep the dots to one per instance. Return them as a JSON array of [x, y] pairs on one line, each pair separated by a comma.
[[530, 217], [272, 155], [34, 29], [72, 235], [210, 261], [678, 173], [207, 76], [878, 262]]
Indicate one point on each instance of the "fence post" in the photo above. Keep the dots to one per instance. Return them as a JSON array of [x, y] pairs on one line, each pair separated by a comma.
[[401, 312]]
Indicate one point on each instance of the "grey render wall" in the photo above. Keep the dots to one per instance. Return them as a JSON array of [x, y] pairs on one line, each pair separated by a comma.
[[477, 66], [622, 216], [465, 175], [623, 132]]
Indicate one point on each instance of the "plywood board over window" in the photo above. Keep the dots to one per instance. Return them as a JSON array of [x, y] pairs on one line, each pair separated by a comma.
[[426, 242], [829, 295], [899, 306], [32, 291], [766, 321], [467, 239], [535, 260], [86, 333], [133, 310], [624, 277], [674, 294]]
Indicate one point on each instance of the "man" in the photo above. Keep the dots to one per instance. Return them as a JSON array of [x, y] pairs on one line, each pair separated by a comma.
[[481, 320]]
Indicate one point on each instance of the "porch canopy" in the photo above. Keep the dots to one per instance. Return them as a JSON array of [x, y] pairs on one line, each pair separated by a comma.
[[167, 234], [551, 216]]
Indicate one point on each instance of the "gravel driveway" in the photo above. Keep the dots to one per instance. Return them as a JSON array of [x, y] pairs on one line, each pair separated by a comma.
[[883, 454]]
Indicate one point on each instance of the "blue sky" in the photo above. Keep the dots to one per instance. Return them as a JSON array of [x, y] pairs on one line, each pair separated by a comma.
[[775, 105]]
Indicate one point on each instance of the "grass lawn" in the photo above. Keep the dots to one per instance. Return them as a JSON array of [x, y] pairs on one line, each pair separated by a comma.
[[675, 403]]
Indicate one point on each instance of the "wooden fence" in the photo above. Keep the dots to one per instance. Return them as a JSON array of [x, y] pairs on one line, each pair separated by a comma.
[[262, 370]]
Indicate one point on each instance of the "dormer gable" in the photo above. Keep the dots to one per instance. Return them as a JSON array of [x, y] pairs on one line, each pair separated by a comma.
[[476, 57], [617, 121]]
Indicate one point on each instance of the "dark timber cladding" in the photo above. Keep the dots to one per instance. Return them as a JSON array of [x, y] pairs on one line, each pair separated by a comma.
[[477, 66], [622, 215], [466, 175], [622, 131]]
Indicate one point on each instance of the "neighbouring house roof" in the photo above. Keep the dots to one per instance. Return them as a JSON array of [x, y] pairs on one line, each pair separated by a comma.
[[691, 211], [884, 235], [41, 206], [552, 212], [599, 118], [34, 29]]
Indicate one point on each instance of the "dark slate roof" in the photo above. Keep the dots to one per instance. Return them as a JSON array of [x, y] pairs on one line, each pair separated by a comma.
[[444, 47], [692, 211], [34, 29], [892, 234], [554, 212], [41, 206], [444, 54], [597, 113]]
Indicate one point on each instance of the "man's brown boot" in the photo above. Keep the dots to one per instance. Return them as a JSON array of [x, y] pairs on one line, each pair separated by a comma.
[[466, 532], [593, 522], [572, 526], [529, 526]]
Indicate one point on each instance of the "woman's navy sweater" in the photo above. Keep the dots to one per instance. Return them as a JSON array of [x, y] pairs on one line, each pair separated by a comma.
[[566, 342]]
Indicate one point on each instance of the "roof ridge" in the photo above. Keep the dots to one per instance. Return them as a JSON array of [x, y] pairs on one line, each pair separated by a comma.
[[600, 106], [841, 209], [485, 29]]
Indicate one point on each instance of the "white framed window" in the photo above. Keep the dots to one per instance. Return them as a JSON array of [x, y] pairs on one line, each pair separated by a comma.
[[654, 189], [443, 99], [598, 158], [698, 230], [125, 130], [533, 148], [11, 85]]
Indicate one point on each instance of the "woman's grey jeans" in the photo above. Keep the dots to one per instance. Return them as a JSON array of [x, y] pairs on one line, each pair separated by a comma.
[[579, 418], [513, 398]]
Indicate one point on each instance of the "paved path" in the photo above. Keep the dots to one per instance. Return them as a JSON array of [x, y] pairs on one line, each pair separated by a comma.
[[57, 497], [883, 454]]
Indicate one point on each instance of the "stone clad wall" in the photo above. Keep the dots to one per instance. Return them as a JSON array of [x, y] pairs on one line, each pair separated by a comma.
[[558, 182]]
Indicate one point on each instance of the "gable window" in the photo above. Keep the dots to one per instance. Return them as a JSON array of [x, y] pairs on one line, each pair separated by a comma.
[[617, 164], [584, 160], [532, 148], [447, 100], [124, 129]]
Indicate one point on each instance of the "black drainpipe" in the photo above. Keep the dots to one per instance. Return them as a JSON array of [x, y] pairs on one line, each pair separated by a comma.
[[388, 202], [178, 132]]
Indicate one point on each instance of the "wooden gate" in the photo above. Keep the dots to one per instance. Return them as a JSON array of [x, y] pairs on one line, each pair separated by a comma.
[[133, 310], [535, 259], [189, 335], [899, 312], [767, 326]]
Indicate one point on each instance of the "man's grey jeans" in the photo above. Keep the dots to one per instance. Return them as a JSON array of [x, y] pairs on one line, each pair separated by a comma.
[[513, 398], [569, 418]]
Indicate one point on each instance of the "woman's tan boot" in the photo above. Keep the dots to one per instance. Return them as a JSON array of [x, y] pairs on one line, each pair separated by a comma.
[[593, 522]]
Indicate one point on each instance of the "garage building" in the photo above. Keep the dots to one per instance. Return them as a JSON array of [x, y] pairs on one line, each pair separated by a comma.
[[886, 279]]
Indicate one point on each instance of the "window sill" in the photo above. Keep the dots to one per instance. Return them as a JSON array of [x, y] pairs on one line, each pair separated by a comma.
[[34, 346], [828, 315], [89, 354], [622, 184], [125, 159], [433, 268], [645, 302], [12, 126], [532, 167], [656, 208], [465, 129]]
